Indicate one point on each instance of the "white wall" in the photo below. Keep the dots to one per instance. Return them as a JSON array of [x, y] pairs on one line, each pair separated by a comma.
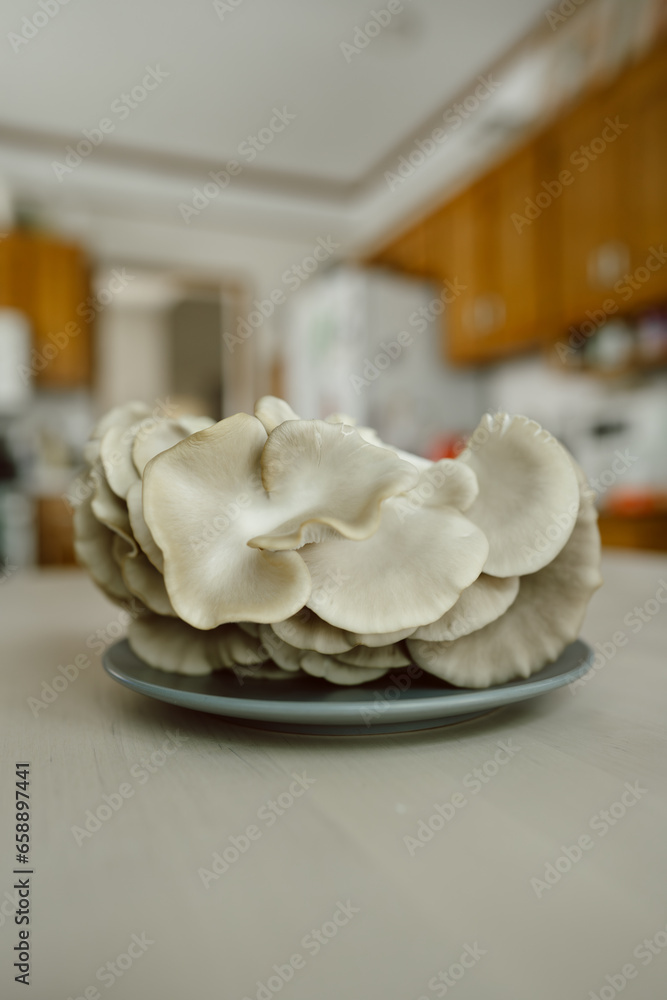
[[131, 356], [252, 262]]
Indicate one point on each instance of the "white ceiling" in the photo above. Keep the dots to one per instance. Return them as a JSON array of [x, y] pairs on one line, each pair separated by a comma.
[[225, 77]]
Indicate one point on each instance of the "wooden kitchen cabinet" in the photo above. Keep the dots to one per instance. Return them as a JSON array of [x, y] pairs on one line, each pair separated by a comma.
[[407, 253], [55, 533], [507, 255], [565, 229], [614, 213], [491, 261], [477, 242], [48, 280], [61, 286], [450, 252], [15, 290], [643, 180], [594, 252]]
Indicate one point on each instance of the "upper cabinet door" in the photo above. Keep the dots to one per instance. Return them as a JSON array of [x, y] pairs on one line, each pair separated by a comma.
[[572, 227], [514, 260], [643, 183], [49, 282], [407, 253], [481, 245], [15, 271], [613, 214], [451, 239], [594, 252]]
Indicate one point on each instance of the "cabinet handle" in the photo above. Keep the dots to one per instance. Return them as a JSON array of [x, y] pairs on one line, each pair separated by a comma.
[[607, 262], [488, 314]]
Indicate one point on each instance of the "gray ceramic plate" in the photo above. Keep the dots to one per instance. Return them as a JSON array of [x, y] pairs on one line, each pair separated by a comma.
[[395, 703]]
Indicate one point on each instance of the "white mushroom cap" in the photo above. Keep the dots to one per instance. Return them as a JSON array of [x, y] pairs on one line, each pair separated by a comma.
[[546, 615], [116, 457], [172, 645], [481, 603], [411, 571], [93, 545], [342, 418], [331, 669], [140, 529], [167, 644], [211, 574], [272, 412], [286, 656], [528, 494], [306, 630], [330, 477], [377, 657], [120, 416], [377, 638], [217, 567], [372, 436], [141, 578], [108, 507], [126, 448], [154, 436]]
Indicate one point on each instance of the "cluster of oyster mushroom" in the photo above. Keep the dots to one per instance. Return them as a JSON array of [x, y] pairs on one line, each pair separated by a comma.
[[275, 546]]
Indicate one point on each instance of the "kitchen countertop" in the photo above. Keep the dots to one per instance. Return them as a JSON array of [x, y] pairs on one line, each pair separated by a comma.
[[543, 885]]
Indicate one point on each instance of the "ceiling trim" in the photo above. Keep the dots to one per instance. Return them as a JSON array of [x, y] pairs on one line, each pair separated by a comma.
[[53, 145]]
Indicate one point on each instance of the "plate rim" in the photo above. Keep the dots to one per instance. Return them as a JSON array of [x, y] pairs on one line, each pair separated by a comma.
[[350, 712]]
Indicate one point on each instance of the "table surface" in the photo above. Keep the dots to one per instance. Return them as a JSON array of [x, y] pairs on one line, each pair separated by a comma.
[[542, 880]]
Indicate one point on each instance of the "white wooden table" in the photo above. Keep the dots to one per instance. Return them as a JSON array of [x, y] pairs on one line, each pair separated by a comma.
[[323, 898]]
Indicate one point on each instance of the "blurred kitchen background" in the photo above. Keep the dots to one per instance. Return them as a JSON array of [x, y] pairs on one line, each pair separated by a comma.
[[407, 211]]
